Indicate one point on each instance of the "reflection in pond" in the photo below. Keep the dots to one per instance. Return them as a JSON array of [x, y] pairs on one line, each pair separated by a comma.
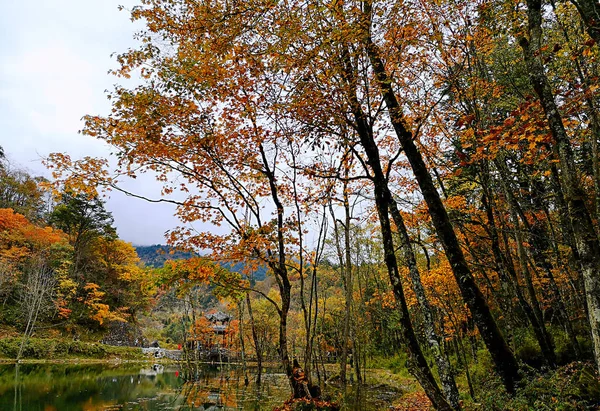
[[50, 387]]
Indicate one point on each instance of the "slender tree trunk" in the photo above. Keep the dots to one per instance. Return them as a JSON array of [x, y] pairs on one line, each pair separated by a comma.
[[417, 361], [443, 365], [508, 275], [504, 360], [346, 267], [348, 284], [242, 345], [257, 344], [278, 264], [538, 239], [585, 234], [40, 283], [589, 8]]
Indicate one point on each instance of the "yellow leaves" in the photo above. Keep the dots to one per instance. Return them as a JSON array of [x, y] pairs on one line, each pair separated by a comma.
[[197, 270], [119, 255], [102, 313], [80, 176], [93, 291], [99, 311], [386, 299]]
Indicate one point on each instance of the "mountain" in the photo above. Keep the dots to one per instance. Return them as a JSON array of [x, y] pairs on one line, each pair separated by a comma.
[[156, 255], [259, 274]]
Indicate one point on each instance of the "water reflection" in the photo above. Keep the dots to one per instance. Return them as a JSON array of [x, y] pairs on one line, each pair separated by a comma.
[[131, 387]]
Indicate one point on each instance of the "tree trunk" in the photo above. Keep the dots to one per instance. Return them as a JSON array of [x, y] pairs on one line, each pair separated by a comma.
[[443, 365], [585, 234], [504, 360], [590, 13], [507, 273], [257, 345], [417, 361]]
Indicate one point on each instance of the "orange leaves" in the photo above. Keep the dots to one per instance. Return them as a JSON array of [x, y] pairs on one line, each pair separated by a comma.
[[99, 311], [509, 122], [197, 270], [202, 331], [386, 299], [414, 401], [524, 132], [19, 237], [80, 176]]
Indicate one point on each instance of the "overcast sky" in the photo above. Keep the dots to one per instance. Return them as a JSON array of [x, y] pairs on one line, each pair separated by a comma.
[[54, 58]]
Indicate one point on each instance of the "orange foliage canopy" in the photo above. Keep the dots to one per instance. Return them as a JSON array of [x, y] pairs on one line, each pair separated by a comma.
[[19, 237]]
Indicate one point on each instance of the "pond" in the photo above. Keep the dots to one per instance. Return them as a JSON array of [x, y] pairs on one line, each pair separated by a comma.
[[64, 387]]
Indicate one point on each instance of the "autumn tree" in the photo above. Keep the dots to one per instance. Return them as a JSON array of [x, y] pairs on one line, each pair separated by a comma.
[[470, 153], [22, 192], [583, 227]]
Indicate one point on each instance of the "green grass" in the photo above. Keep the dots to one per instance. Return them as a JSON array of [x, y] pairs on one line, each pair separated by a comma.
[[58, 348]]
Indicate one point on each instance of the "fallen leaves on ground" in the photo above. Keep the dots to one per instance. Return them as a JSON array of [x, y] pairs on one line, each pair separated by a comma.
[[303, 404], [414, 401]]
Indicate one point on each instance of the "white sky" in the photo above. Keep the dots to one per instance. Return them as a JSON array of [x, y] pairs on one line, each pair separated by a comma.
[[54, 58]]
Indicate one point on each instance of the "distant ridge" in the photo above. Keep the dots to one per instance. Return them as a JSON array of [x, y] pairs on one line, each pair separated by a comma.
[[156, 256]]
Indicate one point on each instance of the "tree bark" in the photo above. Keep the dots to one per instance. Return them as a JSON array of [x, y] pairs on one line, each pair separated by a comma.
[[417, 362], [504, 360], [585, 234], [509, 275], [443, 365], [590, 13], [346, 267]]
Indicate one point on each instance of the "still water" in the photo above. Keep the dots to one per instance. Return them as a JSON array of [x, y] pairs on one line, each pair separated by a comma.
[[62, 387]]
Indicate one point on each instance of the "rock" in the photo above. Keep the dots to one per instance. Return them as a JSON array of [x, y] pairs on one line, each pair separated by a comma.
[[123, 334]]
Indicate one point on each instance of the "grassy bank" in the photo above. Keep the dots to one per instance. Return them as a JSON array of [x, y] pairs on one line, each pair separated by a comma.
[[58, 348]]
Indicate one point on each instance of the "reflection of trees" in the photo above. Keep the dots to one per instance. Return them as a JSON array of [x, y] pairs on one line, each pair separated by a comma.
[[98, 386], [66, 387], [208, 388], [17, 398]]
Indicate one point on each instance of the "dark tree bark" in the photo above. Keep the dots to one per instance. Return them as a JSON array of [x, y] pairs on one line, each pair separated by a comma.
[[508, 274], [590, 13], [504, 360], [418, 365], [277, 263], [585, 234]]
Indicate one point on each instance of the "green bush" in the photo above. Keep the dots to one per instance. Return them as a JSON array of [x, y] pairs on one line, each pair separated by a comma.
[[570, 388], [9, 347], [527, 348]]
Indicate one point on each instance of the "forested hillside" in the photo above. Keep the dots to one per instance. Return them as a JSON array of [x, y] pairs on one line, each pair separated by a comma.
[[62, 264], [156, 255]]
